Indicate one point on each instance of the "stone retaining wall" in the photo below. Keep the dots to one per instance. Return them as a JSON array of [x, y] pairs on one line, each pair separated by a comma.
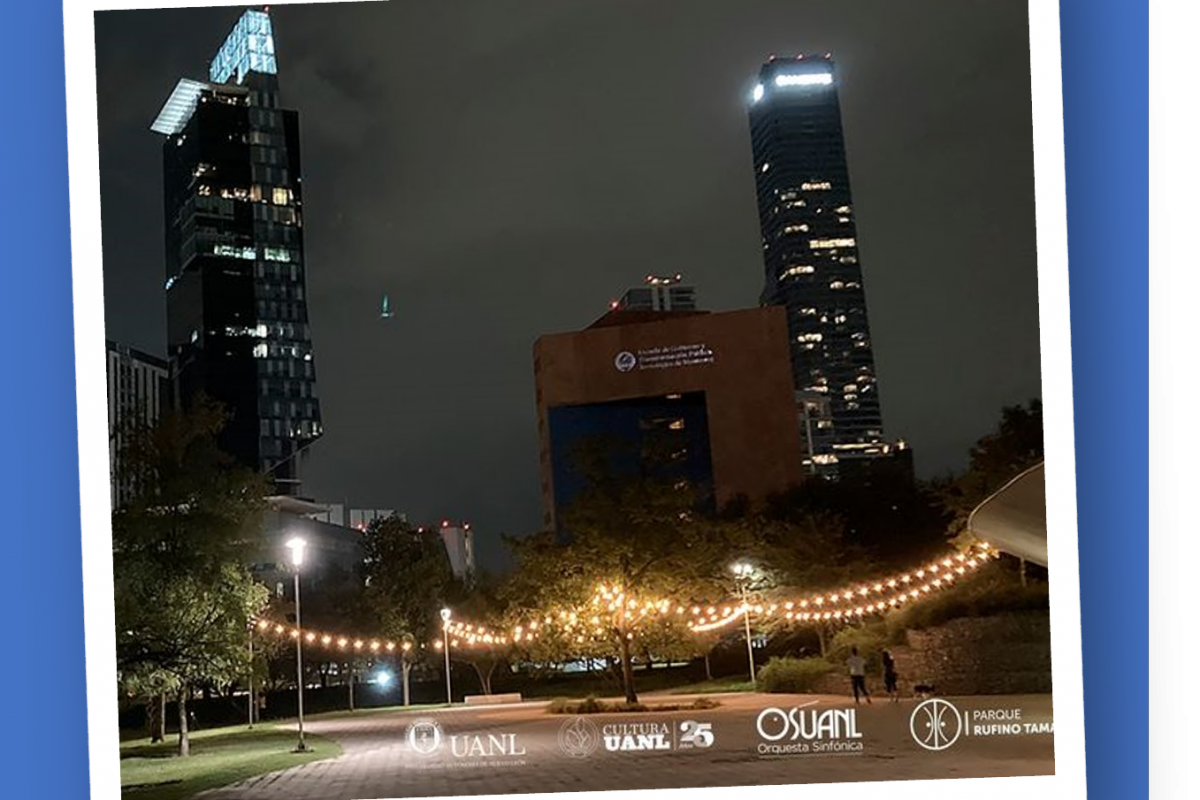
[[1005, 654]]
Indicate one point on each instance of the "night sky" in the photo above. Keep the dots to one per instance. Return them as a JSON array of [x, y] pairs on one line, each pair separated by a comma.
[[504, 168]]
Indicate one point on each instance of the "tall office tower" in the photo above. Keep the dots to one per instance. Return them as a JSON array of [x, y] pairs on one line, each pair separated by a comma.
[[810, 250], [659, 294], [237, 317], [138, 392]]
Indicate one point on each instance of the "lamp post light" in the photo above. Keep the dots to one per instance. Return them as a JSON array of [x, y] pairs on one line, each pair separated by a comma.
[[446, 649], [743, 572], [296, 545]]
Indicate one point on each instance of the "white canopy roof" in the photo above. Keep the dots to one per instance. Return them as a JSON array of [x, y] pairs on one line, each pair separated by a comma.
[[1013, 520]]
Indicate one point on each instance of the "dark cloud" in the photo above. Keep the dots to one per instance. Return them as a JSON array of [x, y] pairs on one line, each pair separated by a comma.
[[503, 168]]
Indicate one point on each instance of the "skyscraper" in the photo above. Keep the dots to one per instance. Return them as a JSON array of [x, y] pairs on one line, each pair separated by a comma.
[[237, 313], [810, 251], [138, 392]]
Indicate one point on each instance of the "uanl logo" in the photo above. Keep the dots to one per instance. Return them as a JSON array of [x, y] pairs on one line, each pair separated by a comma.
[[426, 738], [808, 730], [937, 724], [625, 361]]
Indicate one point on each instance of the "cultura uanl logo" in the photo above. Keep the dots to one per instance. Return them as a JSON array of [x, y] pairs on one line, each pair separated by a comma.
[[627, 736], [578, 737], [805, 730]]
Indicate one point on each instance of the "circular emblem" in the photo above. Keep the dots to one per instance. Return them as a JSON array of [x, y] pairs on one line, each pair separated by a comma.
[[424, 736], [935, 724], [625, 361], [578, 737]]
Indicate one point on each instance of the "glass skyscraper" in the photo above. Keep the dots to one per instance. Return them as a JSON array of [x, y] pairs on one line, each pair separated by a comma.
[[237, 313], [810, 251]]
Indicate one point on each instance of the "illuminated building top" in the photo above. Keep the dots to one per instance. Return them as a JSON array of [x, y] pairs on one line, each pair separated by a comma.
[[250, 47]]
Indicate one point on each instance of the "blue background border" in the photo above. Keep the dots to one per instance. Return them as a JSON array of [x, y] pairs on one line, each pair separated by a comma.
[[41, 590]]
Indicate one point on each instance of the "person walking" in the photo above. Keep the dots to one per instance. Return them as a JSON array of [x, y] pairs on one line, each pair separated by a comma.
[[858, 675], [889, 676]]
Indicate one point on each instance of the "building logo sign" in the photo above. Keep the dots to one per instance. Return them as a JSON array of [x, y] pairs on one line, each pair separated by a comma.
[[669, 357], [625, 361], [938, 724], [578, 737], [802, 731]]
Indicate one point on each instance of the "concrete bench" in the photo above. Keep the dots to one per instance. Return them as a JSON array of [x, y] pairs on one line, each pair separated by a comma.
[[491, 699]]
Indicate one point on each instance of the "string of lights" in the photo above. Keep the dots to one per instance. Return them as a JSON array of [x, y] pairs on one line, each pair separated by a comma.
[[611, 608]]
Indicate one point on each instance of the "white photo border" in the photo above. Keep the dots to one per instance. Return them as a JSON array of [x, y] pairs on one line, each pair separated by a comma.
[[1069, 780]]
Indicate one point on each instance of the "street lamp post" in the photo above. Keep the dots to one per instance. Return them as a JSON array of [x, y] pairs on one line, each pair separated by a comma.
[[296, 545], [446, 649], [743, 572]]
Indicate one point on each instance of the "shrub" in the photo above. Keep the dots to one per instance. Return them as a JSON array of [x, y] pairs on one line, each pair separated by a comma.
[[564, 705], [990, 593], [792, 675], [869, 639]]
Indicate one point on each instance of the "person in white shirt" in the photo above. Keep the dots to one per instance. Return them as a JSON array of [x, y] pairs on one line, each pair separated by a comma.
[[858, 675]]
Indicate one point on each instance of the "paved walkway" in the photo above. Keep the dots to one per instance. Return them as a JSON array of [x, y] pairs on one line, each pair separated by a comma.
[[519, 749]]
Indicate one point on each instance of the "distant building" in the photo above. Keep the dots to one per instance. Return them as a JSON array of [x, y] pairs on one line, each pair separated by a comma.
[[659, 294], [812, 258], [237, 301], [459, 540], [138, 392], [690, 396]]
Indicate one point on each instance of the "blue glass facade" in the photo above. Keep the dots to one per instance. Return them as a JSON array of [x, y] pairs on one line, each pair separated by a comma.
[[662, 438], [237, 313]]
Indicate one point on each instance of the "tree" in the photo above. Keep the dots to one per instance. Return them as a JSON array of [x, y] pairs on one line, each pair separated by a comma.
[[1013, 447], [183, 595], [408, 580], [634, 548]]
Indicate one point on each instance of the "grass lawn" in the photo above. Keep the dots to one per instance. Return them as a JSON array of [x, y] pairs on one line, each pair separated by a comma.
[[220, 756], [715, 686], [361, 712]]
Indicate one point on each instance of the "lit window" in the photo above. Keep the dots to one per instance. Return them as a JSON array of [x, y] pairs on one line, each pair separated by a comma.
[[801, 228], [808, 311], [842, 209], [816, 186], [810, 337], [825, 244], [276, 254], [766, 167], [837, 285], [792, 272], [229, 251], [280, 197]]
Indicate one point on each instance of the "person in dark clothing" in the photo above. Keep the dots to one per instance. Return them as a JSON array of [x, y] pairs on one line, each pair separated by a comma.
[[890, 677]]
